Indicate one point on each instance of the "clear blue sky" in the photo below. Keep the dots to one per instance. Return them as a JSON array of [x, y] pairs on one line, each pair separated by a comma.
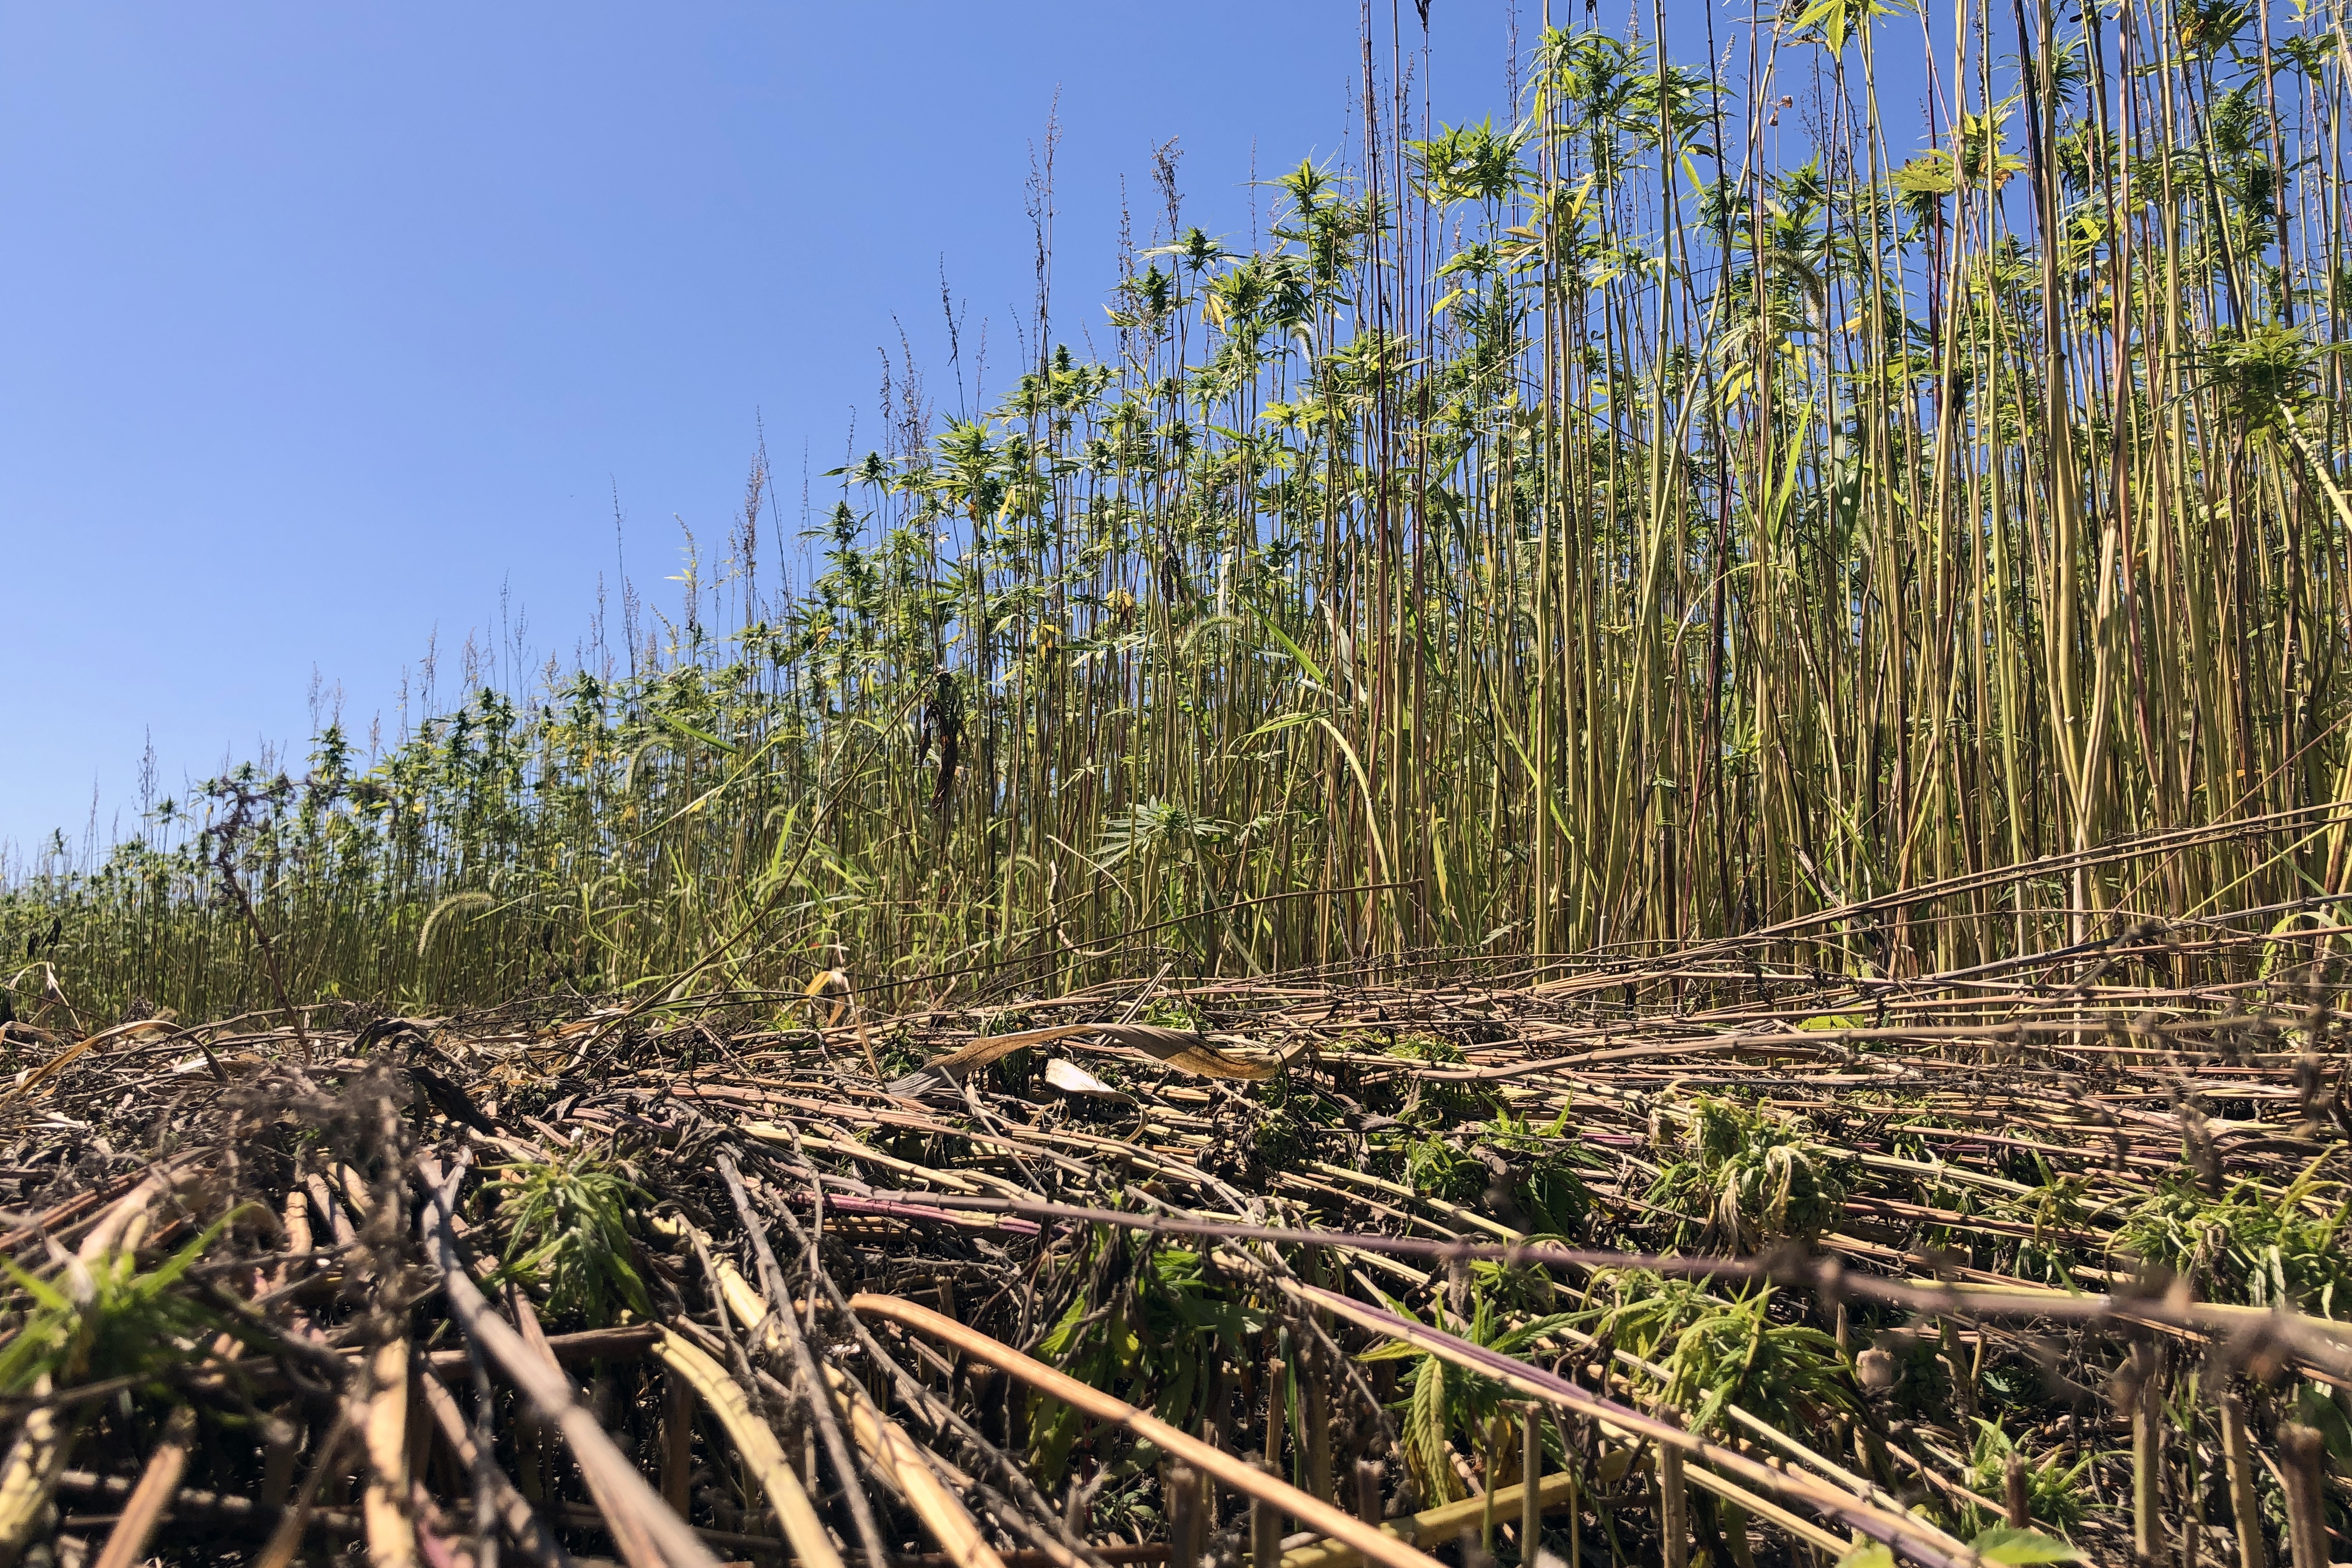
[[323, 325], [319, 324]]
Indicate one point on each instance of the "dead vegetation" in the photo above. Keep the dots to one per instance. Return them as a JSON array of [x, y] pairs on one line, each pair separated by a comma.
[[1736, 1259]]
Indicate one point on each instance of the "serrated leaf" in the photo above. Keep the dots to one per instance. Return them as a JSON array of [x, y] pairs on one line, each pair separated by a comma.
[[2015, 1548]]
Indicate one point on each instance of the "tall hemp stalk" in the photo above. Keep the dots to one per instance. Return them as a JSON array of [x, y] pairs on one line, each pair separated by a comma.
[[1675, 503]]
